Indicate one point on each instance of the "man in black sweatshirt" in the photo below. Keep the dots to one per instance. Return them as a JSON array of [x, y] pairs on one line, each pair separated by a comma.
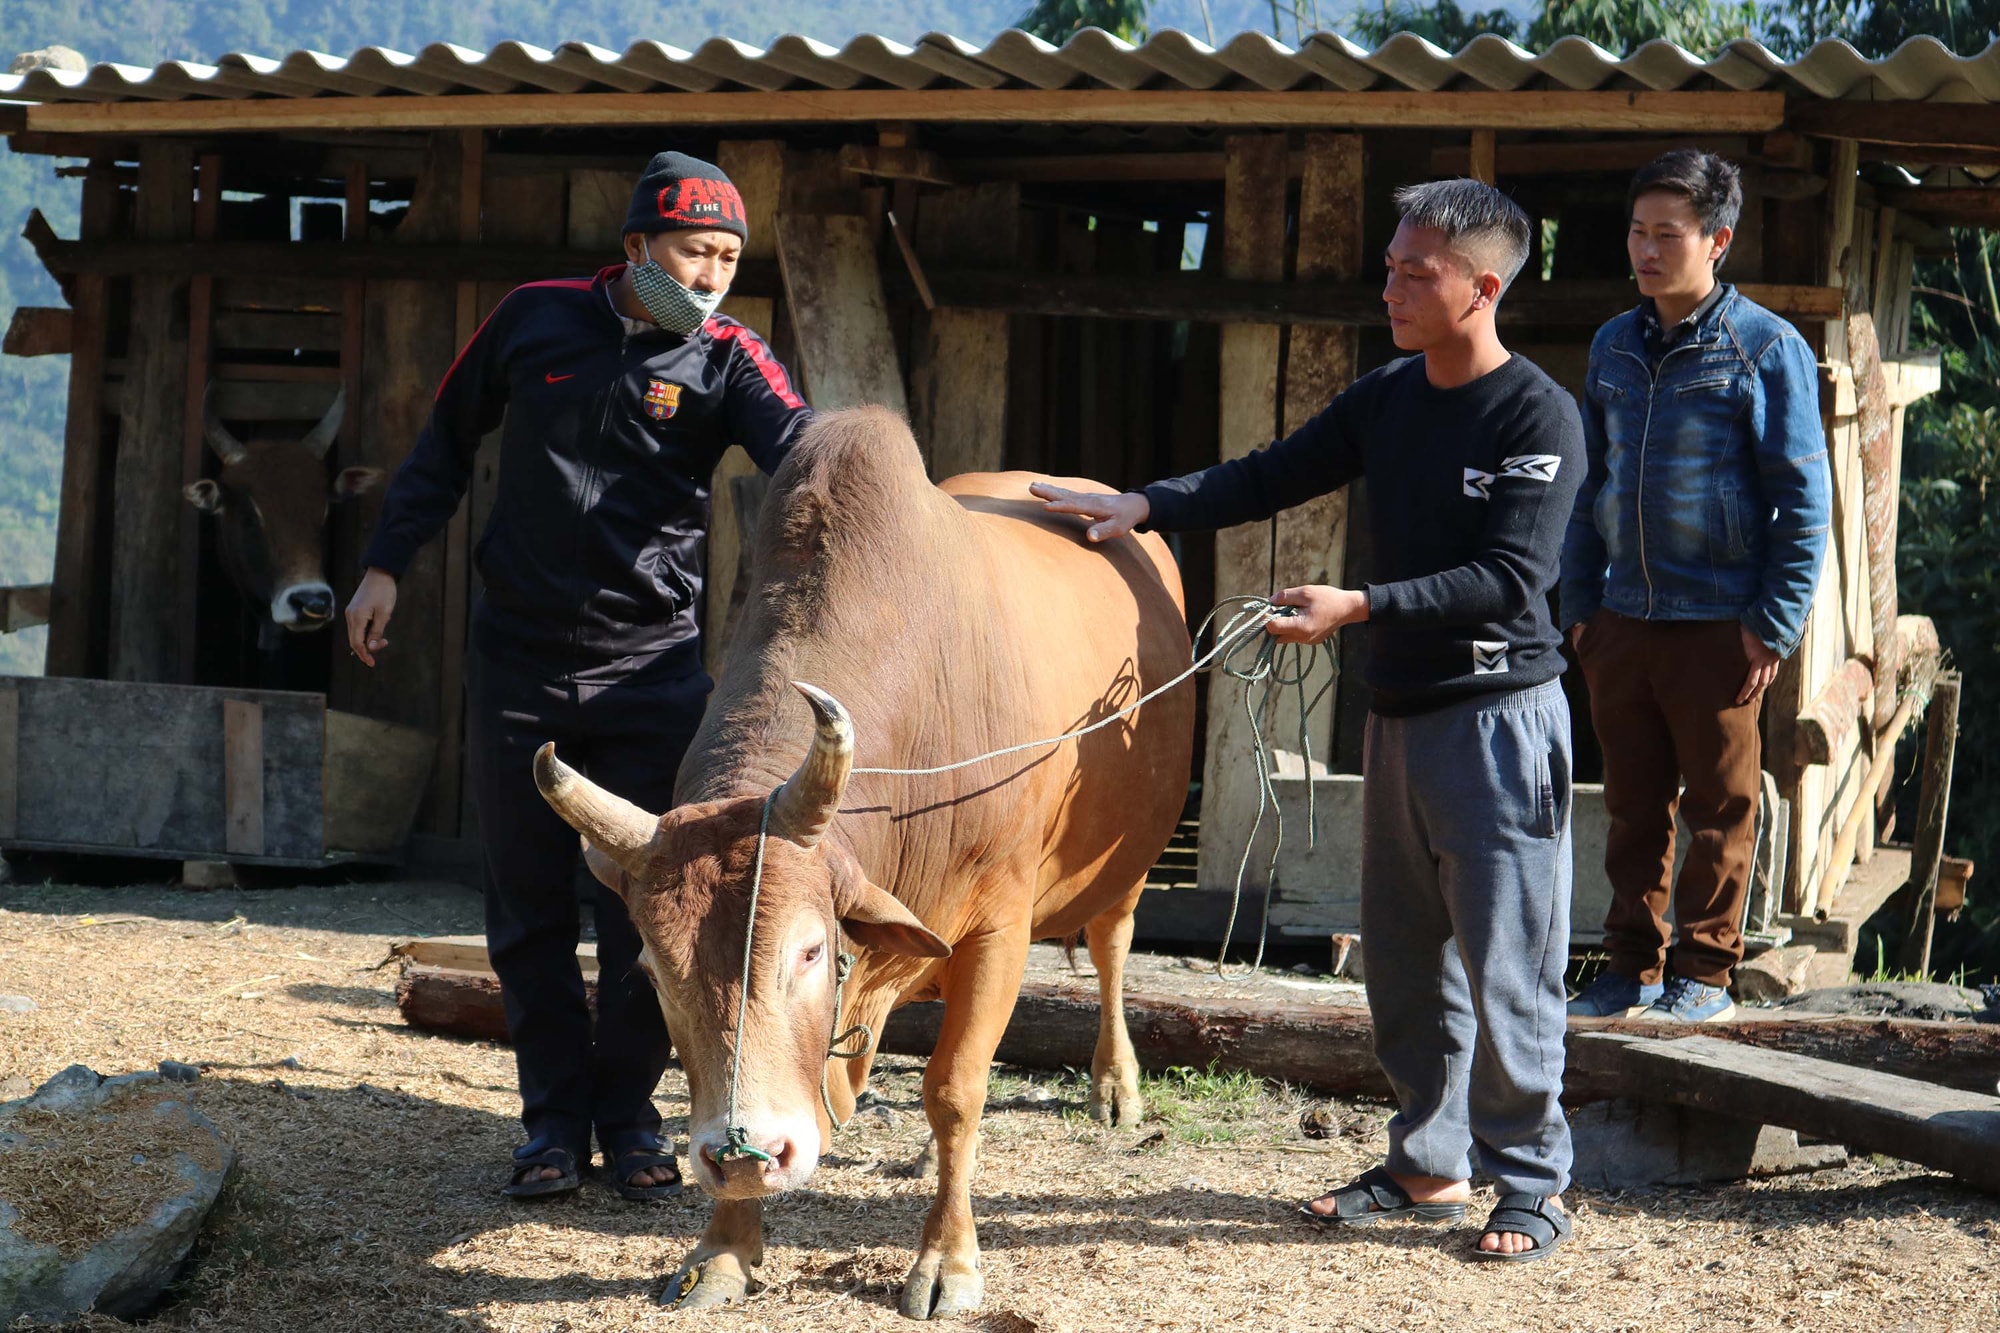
[[1473, 457], [615, 396]]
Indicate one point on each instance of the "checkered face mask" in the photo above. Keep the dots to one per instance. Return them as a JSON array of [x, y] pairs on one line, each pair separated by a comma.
[[675, 308]]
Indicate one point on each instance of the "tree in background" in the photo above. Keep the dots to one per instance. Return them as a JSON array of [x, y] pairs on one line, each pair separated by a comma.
[[1059, 20], [1442, 24], [1621, 25]]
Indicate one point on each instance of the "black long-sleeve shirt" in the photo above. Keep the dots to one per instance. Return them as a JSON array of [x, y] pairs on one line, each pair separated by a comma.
[[592, 561], [1469, 490]]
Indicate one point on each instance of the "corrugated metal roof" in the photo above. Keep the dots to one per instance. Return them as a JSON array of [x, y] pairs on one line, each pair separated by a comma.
[[1920, 69]]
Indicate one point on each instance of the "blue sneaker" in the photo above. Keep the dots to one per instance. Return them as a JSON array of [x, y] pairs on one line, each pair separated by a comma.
[[1688, 1001], [1613, 996]]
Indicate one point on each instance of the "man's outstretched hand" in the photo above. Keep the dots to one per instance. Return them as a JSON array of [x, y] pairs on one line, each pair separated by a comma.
[[368, 615], [1115, 515], [1321, 613]]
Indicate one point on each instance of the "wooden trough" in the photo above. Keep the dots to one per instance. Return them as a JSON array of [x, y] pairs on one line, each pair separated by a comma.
[[257, 777]]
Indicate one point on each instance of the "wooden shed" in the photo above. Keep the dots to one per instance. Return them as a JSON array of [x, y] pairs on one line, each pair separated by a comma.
[[1108, 260]]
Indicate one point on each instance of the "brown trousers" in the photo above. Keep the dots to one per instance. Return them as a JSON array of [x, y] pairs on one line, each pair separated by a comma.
[[1663, 702]]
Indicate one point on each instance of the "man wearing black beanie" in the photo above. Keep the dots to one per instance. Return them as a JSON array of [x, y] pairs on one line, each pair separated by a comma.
[[615, 395]]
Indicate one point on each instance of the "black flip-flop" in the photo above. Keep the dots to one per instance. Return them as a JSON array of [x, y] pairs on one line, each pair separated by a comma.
[[639, 1153], [1527, 1215], [533, 1156], [1373, 1197]]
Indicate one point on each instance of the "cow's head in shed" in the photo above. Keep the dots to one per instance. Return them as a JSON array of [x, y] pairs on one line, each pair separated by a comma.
[[270, 503]]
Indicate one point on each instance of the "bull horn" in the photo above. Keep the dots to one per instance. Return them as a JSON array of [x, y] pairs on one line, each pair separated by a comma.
[[805, 805], [320, 438], [227, 447], [612, 824]]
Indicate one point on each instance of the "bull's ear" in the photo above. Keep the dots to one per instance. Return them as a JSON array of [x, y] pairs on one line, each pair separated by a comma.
[[353, 481], [875, 918], [204, 495]]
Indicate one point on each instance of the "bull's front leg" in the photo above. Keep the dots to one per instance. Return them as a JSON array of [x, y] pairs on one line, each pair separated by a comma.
[[981, 984], [722, 1267], [1114, 1068]]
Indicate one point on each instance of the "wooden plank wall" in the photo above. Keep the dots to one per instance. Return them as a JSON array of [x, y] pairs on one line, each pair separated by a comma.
[[959, 360]]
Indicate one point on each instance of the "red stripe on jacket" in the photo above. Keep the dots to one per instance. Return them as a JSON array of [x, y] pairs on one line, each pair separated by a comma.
[[760, 355]]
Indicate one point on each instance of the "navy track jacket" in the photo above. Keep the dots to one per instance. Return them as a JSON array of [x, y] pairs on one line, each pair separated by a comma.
[[593, 557]]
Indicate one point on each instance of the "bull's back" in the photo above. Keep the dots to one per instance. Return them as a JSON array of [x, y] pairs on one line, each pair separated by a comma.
[[1099, 625]]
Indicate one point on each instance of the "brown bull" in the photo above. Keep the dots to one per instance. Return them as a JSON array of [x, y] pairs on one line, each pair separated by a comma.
[[270, 504], [950, 621]]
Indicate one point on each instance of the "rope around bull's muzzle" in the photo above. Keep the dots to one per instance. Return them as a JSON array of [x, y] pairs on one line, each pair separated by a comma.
[[736, 1135], [1240, 649]]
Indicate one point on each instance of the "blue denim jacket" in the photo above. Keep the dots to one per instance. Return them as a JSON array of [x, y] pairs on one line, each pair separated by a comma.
[[1708, 494]]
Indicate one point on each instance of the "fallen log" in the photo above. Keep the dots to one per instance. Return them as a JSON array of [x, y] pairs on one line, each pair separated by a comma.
[[1327, 1047]]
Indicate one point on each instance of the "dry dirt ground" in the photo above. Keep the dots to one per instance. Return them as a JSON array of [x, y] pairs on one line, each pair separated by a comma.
[[365, 1199]]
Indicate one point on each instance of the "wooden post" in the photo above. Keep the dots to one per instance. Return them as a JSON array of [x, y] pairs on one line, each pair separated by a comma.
[[444, 818], [757, 168], [1933, 805], [146, 502], [77, 602], [833, 290], [10, 762], [958, 375], [243, 777], [1484, 166], [201, 314], [1253, 246]]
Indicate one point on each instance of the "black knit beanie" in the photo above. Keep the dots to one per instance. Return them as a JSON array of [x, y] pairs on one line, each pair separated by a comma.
[[682, 193]]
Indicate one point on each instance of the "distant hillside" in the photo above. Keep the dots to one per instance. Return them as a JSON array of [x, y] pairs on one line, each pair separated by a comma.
[[145, 32]]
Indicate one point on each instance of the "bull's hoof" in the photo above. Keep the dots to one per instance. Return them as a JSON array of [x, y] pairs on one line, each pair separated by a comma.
[[938, 1288], [1116, 1103], [701, 1285]]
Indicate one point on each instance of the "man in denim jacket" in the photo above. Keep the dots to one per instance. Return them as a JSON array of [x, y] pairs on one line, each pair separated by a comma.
[[1687, 571]]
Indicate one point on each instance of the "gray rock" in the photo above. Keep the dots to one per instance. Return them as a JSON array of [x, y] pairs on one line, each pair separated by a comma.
[[123, 1273], [1892, 999], [176, 1072], [1631, 1145], [17, 1004]]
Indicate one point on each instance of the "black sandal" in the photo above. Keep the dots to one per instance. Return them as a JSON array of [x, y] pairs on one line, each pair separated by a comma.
[[1527, 1215], [639, 1153], [532, 1156], [1376, 1197]]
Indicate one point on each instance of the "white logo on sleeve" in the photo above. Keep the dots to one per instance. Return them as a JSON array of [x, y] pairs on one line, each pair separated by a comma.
[[1476, 483], [1489, 659], [1535, 467]]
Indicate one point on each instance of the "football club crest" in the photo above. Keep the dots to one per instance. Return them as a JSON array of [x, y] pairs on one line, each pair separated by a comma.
[[663, 399]]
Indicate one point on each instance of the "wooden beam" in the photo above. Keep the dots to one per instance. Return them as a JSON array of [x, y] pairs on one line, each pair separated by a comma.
[[453, 619], [1944, 1128], [243, 777], [959, 357], [1914, 125], [350, 259], [894, 163], [23, 606], [1571, 157], [39, 331], [1966, 206], [1324, 301], [10, 761], [1538, 109]]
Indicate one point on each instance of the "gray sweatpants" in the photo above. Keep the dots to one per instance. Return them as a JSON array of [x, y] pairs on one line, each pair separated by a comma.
[[1465, 883]]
